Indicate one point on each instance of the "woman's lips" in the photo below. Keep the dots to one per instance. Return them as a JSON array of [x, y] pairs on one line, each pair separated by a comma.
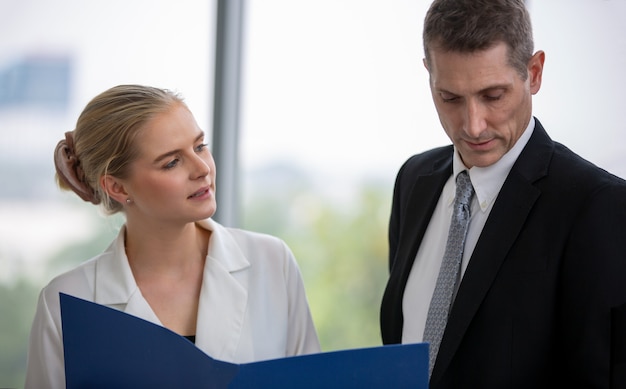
[[202, 193]]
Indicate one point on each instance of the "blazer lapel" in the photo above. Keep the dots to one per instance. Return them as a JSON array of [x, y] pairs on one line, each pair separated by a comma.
[[514, 202], [223, 298], [426, 191], [115, 285], [422, 199]]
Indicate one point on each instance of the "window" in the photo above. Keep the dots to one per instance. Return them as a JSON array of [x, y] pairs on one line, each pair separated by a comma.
[[336, 98], [54, 57]]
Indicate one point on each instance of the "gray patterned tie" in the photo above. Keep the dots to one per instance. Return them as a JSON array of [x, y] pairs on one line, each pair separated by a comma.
[[449, 272]]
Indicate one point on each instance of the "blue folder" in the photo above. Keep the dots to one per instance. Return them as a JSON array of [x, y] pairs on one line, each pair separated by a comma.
[[107, 348]]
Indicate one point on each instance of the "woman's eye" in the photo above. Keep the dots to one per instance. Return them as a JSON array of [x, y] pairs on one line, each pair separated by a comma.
[[201, 147], [171, 164]]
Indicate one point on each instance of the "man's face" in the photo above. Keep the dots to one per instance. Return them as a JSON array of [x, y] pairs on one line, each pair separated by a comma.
[[483, 104]]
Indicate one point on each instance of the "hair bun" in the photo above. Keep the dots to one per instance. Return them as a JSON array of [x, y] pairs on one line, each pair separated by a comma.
[[69, 171]]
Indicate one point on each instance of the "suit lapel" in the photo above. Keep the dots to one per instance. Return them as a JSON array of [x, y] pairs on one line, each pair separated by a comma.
[[510, 211], [422, 199], [426, 191]]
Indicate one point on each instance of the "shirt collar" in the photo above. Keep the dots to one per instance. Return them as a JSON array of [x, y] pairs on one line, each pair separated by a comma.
[[488, 180], [115, 283]]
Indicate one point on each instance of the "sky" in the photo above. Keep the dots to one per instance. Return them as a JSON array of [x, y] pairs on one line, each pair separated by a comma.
[[335, 84], [340, 84], [161, 43]]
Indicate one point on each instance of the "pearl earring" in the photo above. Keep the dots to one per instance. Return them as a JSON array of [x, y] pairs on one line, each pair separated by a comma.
[[128, 201]]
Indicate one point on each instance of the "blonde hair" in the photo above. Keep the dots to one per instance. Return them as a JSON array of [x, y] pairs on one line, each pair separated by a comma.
[[103, 142]]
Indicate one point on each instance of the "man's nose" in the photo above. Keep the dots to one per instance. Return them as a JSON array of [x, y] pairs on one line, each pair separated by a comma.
[[474, 122]]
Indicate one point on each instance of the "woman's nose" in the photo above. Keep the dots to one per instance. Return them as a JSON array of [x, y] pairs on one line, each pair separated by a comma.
[[201, 167]]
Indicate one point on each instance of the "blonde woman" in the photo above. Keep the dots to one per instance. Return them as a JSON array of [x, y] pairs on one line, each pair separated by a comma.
[[237, 294]]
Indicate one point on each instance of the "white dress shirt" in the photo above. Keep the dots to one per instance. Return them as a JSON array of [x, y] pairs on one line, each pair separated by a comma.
[[422, 280], [252, 303]]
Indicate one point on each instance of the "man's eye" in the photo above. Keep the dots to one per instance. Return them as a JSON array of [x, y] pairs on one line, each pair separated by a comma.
[[495, 94], [448, 98], [493, 97]]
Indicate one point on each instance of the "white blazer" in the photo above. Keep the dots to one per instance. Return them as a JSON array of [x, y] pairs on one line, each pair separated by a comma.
[[252, 303]]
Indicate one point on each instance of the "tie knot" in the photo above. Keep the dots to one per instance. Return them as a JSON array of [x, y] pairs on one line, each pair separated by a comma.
[[464, 188]]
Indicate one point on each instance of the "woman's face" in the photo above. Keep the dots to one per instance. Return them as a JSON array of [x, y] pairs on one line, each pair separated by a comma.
[[173, 178]]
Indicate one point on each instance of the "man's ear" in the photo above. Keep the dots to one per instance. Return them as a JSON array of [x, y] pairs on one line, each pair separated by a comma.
[[535, 71], [114, 188]]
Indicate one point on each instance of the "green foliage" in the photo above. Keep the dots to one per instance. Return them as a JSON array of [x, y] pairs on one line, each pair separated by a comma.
[[17, 308], [80, 251], [18, 302], [342, 252]]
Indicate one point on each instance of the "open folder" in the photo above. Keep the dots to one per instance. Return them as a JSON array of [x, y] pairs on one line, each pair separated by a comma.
[[107, 348]]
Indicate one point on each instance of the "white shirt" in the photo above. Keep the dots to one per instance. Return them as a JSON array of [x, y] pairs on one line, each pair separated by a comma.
[[252, 303], [422, 280]]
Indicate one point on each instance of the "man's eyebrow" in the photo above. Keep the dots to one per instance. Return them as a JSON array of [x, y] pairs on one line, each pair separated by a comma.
[[176, 151], [493, 87], [482, 91]]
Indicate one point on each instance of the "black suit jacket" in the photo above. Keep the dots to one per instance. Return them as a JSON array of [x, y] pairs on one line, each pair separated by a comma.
[[543, 300]]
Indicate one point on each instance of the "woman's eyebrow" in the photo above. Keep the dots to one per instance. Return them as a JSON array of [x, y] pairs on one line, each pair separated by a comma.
[[174, 152]]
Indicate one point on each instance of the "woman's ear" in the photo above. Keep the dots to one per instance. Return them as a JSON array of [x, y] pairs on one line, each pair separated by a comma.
[[114, 188]]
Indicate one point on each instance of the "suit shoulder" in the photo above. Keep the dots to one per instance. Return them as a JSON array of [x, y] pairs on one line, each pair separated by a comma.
[[581, 172], [428, 160]]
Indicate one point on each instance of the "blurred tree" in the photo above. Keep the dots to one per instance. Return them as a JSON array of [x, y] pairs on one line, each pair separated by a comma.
[[19, 300], [17, 307], [80, 251], [342, 252]]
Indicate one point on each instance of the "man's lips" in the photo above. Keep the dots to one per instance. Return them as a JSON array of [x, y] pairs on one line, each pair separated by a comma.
[[479, 145]]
